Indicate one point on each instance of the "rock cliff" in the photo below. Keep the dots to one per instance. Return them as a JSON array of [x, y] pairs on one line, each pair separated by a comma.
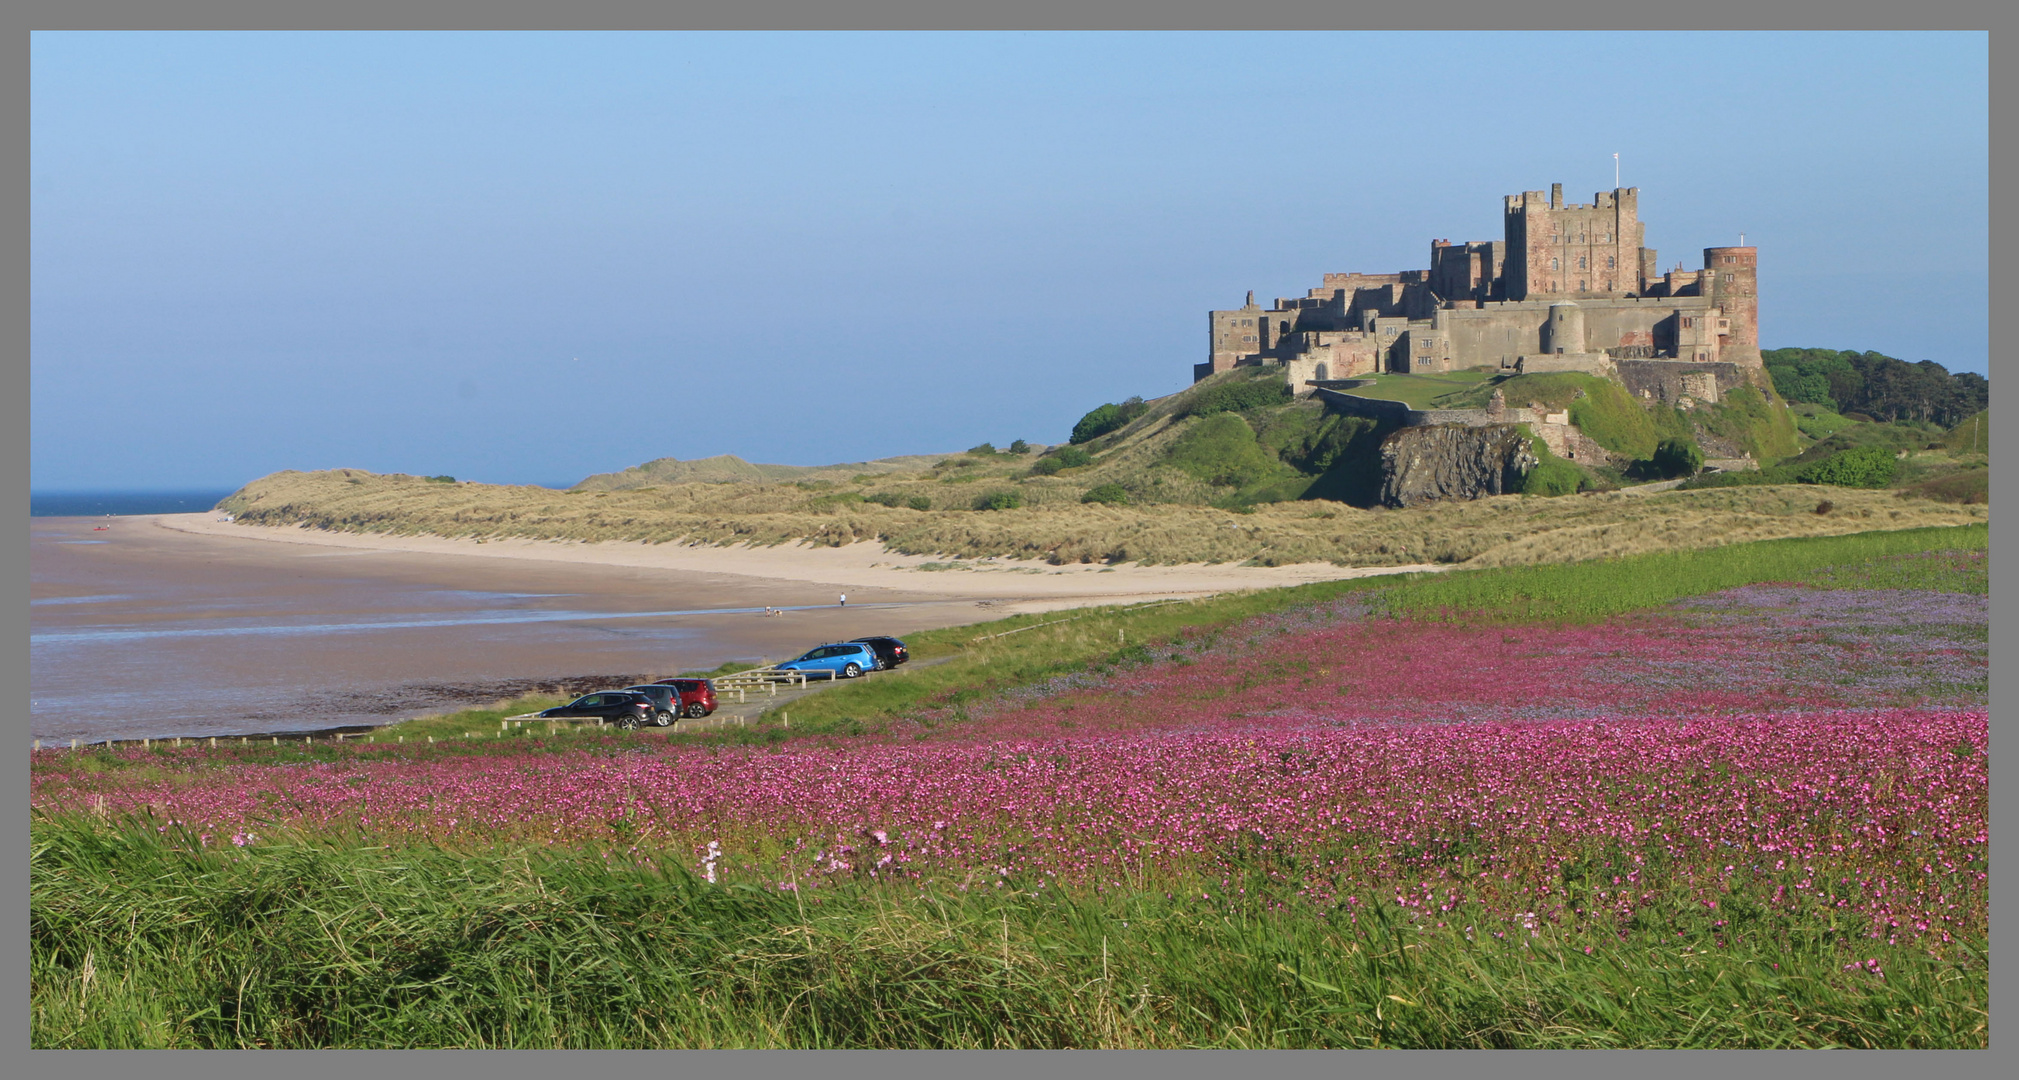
[[1423, 464]]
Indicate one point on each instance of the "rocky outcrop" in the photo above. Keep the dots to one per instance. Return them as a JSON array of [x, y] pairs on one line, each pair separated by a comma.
[[1425, 464]]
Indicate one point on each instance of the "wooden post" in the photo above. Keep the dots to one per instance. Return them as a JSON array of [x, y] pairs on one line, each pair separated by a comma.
[[38, 744], [73, 744], [213, 742]]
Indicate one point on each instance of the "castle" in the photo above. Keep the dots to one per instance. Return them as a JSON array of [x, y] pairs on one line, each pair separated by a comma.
[[1570, 288]]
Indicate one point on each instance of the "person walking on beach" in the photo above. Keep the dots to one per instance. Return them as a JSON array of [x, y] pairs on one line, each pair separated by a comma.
[[844, 599]]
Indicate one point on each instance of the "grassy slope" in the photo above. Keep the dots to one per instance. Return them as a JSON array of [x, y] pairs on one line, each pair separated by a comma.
[[327, 940], [730, 468], [985, 665]]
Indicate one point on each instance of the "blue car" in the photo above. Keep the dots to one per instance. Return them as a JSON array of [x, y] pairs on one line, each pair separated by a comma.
[[846, 660]]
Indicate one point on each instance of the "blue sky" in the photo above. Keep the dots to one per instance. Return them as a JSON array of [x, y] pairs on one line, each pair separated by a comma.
[[528, 258]]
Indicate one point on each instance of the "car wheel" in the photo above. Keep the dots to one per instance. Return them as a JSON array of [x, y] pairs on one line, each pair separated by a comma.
[[662, 718], [696, 711], [851, 671], [627, 723]]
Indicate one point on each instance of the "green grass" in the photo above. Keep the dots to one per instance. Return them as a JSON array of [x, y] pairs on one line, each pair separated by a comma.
[[1422, 391], [138, 941], [1600, 589], [983, 665]]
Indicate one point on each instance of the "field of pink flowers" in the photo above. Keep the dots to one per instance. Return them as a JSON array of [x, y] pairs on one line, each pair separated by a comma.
[[1747, 762]]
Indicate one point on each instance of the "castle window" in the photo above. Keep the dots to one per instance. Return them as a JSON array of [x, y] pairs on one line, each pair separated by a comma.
[[1728, 279], [1609, 262], [1552, 264], [1580, 262]]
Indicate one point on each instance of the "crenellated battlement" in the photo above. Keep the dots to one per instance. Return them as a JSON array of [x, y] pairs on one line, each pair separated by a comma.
[[1488, 302]]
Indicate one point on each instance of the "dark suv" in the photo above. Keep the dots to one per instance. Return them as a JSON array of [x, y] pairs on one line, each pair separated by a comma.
[[890, 652], [698, 694], [665, 701], [620, 707]]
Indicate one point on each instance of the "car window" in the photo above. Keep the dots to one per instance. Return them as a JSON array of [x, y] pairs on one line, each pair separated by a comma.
[[586, 701]]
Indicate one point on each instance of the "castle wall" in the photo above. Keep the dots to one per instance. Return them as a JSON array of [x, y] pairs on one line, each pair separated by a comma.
[[1486, 303], [1667, 381]]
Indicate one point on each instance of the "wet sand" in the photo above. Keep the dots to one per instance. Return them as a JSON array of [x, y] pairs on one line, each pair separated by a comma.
[[181, 624]]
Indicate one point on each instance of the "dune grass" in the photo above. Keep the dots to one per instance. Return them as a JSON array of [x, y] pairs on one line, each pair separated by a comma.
[[1507, 530], [140, 939]]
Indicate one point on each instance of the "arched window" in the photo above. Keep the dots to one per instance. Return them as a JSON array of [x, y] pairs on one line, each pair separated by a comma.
[[1580, 262], [1320, 373], [1552, 265]]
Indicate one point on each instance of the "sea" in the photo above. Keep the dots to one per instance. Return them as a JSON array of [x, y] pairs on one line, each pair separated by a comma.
[[99, 503], [137, 630]]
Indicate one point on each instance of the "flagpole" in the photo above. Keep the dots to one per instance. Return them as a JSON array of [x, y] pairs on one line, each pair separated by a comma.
[[1615, 172]]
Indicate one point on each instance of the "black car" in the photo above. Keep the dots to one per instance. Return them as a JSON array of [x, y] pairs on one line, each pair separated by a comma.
[[890, 652], [665, 700], [620, 707]]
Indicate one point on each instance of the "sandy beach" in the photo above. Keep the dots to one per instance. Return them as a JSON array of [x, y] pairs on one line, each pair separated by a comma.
[[184, 624], [865, 570]]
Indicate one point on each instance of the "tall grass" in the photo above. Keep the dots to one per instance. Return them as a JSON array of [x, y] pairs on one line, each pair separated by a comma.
[[140, 940], [1056, 527]]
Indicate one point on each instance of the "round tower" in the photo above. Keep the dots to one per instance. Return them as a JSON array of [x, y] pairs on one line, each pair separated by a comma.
[[1566, 328], [1735, 288]]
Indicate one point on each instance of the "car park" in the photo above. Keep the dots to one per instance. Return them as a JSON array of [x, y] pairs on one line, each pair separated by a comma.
[[698, 695], [890, 652], [620, 707], [666, 702], [840, 660]]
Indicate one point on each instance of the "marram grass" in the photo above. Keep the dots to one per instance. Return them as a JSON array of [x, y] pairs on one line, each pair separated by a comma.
[[1054, 526]]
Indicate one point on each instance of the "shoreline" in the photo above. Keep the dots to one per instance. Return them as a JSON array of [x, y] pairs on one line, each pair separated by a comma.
[[1005, 586], [204, 593]]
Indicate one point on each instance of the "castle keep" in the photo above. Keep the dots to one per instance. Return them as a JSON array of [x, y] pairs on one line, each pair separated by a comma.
[[1569, 287]]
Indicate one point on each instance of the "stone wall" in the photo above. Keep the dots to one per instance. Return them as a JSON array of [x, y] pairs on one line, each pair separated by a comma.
[[1668, 381]]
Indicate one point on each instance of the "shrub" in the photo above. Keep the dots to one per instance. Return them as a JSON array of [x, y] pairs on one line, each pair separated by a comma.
[[1678, 457], [887, 498], [1071, 457], [1222, 450], [1866, 467], [1110, 417], [1019, 447], [1112, 494], [1237, 397], [984, 450], [999, 500], [442, 479], [919, 502]]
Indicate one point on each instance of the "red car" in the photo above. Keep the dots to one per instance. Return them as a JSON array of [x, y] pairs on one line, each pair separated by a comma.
[[696, 695]]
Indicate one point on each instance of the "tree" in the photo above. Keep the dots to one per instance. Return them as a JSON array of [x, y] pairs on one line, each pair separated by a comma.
[[1678, 457]]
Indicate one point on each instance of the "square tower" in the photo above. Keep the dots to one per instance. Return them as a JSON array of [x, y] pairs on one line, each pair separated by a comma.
[[1577, 250]]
